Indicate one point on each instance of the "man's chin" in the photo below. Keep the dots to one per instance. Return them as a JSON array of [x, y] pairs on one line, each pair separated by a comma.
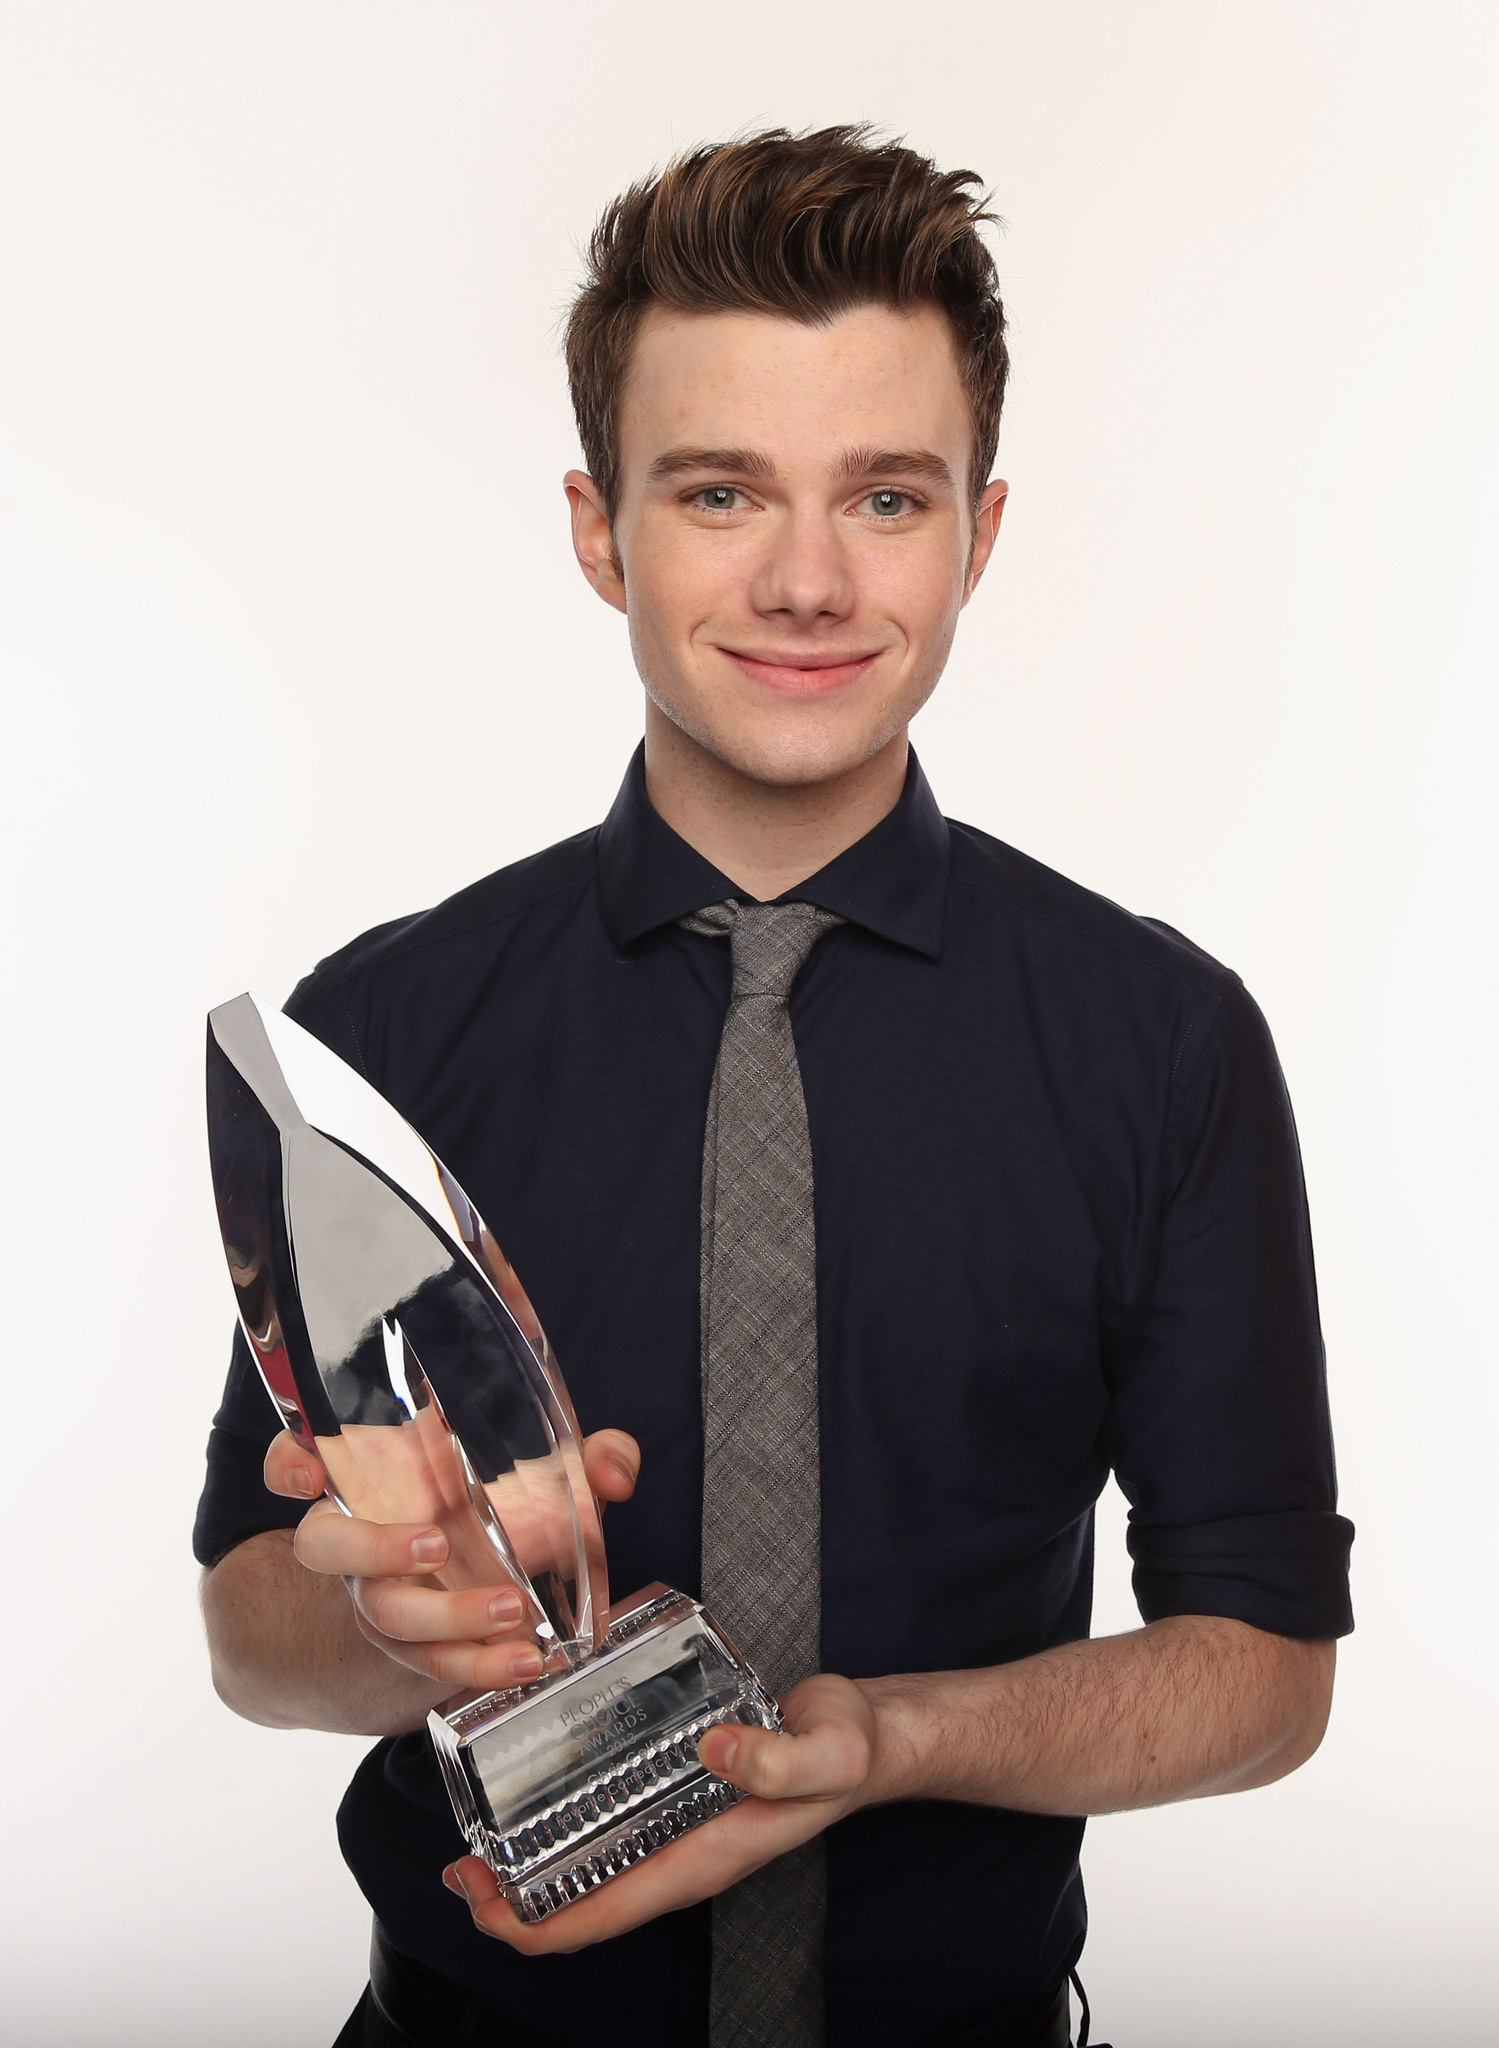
[[807, 754], [802, 767]]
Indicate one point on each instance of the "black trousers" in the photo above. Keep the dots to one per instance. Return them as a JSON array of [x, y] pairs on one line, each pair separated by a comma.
[[406, 2005]]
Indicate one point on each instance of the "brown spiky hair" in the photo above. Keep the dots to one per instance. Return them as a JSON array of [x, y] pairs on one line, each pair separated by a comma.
[[806, 226]]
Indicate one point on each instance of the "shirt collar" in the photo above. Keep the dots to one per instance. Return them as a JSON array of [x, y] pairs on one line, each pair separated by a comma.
[[892, 881]]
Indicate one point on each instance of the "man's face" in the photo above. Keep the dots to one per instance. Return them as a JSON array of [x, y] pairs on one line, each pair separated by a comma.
[[794, 537]]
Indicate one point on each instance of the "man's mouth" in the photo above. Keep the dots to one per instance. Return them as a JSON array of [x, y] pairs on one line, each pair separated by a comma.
[[801, 675]]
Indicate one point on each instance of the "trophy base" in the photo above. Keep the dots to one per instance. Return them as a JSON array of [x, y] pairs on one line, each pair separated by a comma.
[[561, 1785]]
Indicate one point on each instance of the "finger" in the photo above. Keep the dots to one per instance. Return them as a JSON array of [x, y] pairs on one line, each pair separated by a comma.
[[328, 1540], [462, 1667], [413, 1613], [291, 1470], [825, 1765], [611, 1460], [825, 1753]]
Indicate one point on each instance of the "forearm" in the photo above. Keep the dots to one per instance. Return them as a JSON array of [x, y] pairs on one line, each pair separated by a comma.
[[1186, 1707], [287, 1651]]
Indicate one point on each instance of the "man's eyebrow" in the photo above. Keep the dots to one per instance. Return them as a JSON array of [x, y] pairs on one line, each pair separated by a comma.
[[894, 462], [722, 461]]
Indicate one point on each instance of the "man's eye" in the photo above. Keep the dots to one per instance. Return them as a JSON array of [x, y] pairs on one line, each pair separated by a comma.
[[718, 498], [889, 504]]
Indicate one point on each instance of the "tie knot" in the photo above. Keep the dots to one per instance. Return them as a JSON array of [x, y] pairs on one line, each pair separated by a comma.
[[770, 941]]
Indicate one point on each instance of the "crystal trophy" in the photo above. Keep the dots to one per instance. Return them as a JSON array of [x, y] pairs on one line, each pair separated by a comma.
[[400, 1348]]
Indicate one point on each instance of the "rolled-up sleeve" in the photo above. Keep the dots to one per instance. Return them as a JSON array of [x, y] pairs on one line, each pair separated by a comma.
[[1219, 1430]]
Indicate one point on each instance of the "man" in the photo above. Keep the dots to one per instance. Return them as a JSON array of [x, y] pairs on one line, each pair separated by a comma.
[[1041, 1146]]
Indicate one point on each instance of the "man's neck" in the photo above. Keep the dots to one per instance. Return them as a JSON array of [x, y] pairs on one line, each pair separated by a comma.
[[765, 836]]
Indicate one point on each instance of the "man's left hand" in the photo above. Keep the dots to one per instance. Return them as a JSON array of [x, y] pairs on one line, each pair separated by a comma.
[[801, 1782], [1189, 1705]]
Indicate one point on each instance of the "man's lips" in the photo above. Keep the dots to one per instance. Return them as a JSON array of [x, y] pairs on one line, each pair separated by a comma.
[[801, 675]]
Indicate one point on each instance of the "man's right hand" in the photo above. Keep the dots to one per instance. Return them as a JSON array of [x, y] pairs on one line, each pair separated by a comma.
[[473, 1639]]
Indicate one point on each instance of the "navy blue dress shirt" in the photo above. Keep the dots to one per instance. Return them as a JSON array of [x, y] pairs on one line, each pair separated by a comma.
[[1061, 1229]]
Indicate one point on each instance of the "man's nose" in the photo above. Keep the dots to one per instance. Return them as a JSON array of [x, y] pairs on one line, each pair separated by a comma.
[[805, 573]]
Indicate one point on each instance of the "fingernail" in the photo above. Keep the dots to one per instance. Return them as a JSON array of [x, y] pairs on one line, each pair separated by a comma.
[[301, 1481], [505, 1607], [728, 1753], [625, 1471], [450, 1879], [429, 1546], [527, 1663]]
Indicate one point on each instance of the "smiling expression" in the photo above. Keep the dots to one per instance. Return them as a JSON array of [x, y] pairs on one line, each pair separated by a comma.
[[795, 535]]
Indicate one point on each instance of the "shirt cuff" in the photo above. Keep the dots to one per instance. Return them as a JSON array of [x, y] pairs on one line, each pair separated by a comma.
[[1286, 1573]]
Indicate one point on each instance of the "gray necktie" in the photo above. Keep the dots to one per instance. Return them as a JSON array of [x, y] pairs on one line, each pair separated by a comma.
[[762, 1496]]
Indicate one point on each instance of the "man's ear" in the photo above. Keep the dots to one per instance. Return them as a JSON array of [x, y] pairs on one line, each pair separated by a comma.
[[593, 541], [986, 518]]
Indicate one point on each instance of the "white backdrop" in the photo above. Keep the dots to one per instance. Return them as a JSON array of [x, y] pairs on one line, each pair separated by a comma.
[[292, 643]]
